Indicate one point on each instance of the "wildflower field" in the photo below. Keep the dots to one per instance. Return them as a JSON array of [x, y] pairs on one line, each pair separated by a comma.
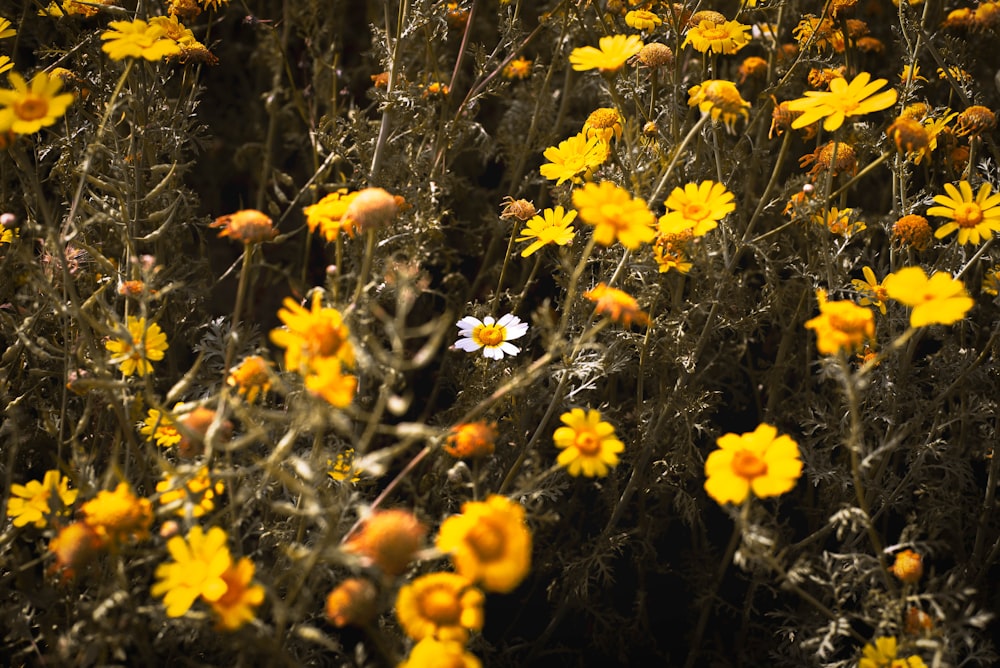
[[499, 333]]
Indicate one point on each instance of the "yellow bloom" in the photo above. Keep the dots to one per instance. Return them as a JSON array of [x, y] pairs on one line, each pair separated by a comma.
[[613, 52], [196, 571], [159, 427], [857, 98], [29, 108], [193, 493], [671, 251], [884, 654], [327, 379], [520, 68], [118, 516], [839, 221], [328, 215], [433, 653], [471, 439], [604, 123], [489, 543], [759, 461], [841, 325], [73, 547], [721, 100], [938, 300], [642, 19], [697, 207], [6, 64], [5, 29], [311, 335], [573, 157], [873, 293], [710, 37], [588, 444], [991, 280], [615, 214], [144, 345], [617, 305], [138, 39], [444, 606], [908, 566], [251, 378], [343, 468], [236, 606], [553, 226], [913, 231], [975, 218], [32, 503]]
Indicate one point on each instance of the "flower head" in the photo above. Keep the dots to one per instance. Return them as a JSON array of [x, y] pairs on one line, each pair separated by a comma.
[[159, 426], [326, 378], [311, 335], [727, 37], [841, 326], [444, 606], [604, 123], [197, 570], [519, 68], [613, 52], [617, 305], [248, 226], [991, 280], [389, 539], [471, 439], [138, 39], [118, 516], [352, 602], [573, 157], [671, 251], [697, 207], [552, 226], [588, 444], [328, 215], [236, 606], [721, 100], [974, 121], [193, 493], [489, 543], [493, 336], [433, 653], [759, 461], [143, 346], [371, 209], [35, 502], [859, 97], [908, 566], [251, 378], [884, 653], [873, 293], [975, 217], [913, 231], [642, 19], [615, 214], [342, 468], [938, 300], [27, 108]]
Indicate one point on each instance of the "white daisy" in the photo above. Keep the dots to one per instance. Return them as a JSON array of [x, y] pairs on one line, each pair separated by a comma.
[[490, 335]]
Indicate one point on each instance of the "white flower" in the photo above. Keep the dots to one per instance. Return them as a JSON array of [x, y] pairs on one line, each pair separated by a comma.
[[490, 335]]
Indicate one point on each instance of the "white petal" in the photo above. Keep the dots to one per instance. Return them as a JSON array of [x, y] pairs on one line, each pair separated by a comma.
[[493, 353], [468, 345], [509, 348], [515, 331], [468, 323], [489, 320], [507, 320]]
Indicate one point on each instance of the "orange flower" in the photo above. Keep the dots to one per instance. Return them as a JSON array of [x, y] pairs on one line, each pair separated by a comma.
[[471, 439], [617, 305], [389, 539]]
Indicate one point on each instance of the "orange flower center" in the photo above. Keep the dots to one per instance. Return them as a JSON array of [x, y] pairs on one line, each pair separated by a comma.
[[31, 108], [490, 335], [748, 465], [695, 211], [324, 339], [441, 606], [847, 325], [486, 540], [717, 34], [968, 214], [588, 443]]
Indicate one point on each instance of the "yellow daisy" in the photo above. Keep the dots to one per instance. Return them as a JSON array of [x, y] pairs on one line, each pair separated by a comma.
[[553, 226], [573, 157], [143, 346], [29, 108], [698, 207], [841, 326], [938, 300], [613, 52], [759, 461], [859, 97], [975, 218], [615, 214], [588, 444]]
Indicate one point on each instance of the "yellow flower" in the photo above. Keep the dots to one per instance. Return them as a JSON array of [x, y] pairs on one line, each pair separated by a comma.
[[519, 68], [642, 19], [938, 300], [839, 221], [119, 515], [613, 52], [192, 493], [343, 468], [73, 547], [857, 98], [489, 543], [196, 571], [991, 280], [975, 218], [884, 654], [251, 378], [720, 99], [841, 325], [311, 335], [159, 426], [671, 252], [908, 566], [759, 461], [697, 207], [615, 214], [913, 231], [6, 64], [236, 606], [573, 157], [5, 29], [144, 345], [873, 293], [32, 503], [617, 305], [818, 34], [444, 606], [327, 379], [604, 123], [588, 444], [389, 539], [29, 108], [553, 226], [328, 215], [433, 653], [710, 37], [138, 39], [471, 439]]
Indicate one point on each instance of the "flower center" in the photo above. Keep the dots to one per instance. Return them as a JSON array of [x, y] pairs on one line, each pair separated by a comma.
[[325, 340], [486, 540], [441, 606], [695, 211], [588, 443], [715, 34], [31, 108], [846, 324], [490, 335], [748, 465], [968, 214]]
